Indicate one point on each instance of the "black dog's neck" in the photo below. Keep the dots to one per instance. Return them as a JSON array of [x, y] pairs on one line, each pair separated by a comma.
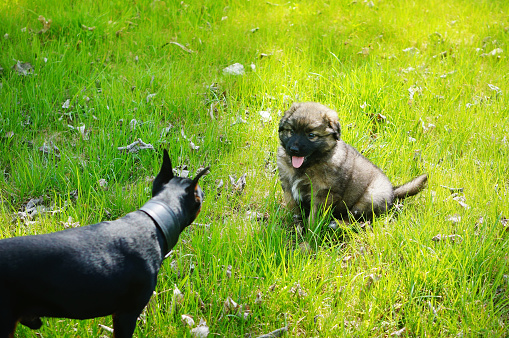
[[165, 220]]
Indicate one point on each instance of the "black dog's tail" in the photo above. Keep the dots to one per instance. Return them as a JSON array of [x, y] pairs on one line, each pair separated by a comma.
[[411, 188]]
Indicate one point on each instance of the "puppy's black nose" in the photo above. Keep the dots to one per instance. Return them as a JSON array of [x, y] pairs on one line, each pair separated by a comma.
[[294, 149]]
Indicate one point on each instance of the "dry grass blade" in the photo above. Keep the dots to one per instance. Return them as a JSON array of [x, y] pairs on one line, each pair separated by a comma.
[[275, 333]]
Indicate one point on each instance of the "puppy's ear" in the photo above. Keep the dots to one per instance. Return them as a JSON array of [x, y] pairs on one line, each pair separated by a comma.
[[164, 176], [336, 129], [287, 114]]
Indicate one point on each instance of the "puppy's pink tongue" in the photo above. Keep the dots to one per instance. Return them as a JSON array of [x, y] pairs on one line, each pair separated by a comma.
[[297, 161]]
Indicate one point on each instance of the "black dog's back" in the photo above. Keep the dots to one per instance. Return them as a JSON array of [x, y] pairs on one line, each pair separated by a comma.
[[78, 275]]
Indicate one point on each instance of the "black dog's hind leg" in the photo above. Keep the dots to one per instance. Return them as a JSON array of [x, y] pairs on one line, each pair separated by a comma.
[[124, 324], [7, 324]]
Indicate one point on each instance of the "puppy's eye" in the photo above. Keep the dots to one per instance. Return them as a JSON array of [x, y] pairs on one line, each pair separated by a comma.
[[311, 135]]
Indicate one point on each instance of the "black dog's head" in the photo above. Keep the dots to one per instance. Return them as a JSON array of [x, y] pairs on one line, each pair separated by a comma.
[[308, 131], [183, 195]]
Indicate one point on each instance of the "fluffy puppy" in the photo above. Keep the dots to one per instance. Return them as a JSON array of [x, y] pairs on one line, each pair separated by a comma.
[[317, 168]]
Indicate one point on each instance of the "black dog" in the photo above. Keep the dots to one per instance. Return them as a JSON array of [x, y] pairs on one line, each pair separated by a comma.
[[108, 268]]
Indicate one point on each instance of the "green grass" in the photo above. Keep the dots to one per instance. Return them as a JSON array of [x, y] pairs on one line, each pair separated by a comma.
[[348, 55]]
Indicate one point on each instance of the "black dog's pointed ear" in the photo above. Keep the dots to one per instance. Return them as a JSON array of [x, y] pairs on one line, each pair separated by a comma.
[[200, 174], [196, 178], [164, 176]]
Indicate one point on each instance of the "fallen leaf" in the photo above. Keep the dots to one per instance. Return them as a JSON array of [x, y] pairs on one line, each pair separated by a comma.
[[188, 320], [258, 216], [181, 171], [33, 202], [443, 76], [149, 97], [364, 51], [50, 149], [440, 55], [461, 201], [414, 90], [103, 184], [452, 238], [46, 24], [239, 120], [229, 271], [23, 68], [235, 69], [398, 333], [201, 331], [239, 185], [132, 124], [407, 70], [371, 279], [495, 88], [505, 223], [298, 290], [90, 29], [265, 115], [191, 143], [495, 52], [70, 223], [178, 296], [333, 225], [427, 127], [83, 132], [166, 130], [258, 299], [454, 218], [35, 207], [230, 306], [193, 146], [411, 50]]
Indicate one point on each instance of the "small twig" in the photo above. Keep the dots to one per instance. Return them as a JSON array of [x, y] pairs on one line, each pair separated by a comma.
[[452, 190], [136, 146], [275, 333], [106, 328], [183, 47]]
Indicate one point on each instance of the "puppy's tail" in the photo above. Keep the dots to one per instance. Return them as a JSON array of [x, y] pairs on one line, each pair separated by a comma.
[[411, 188]]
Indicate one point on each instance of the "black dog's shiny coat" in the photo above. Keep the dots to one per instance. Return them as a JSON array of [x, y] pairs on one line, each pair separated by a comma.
[[108, 268]]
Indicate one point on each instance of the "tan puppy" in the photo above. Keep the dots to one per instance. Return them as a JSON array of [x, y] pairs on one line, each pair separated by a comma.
[[318, 169]]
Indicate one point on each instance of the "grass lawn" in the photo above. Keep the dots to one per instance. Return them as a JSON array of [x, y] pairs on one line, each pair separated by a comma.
[[420, 87]]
